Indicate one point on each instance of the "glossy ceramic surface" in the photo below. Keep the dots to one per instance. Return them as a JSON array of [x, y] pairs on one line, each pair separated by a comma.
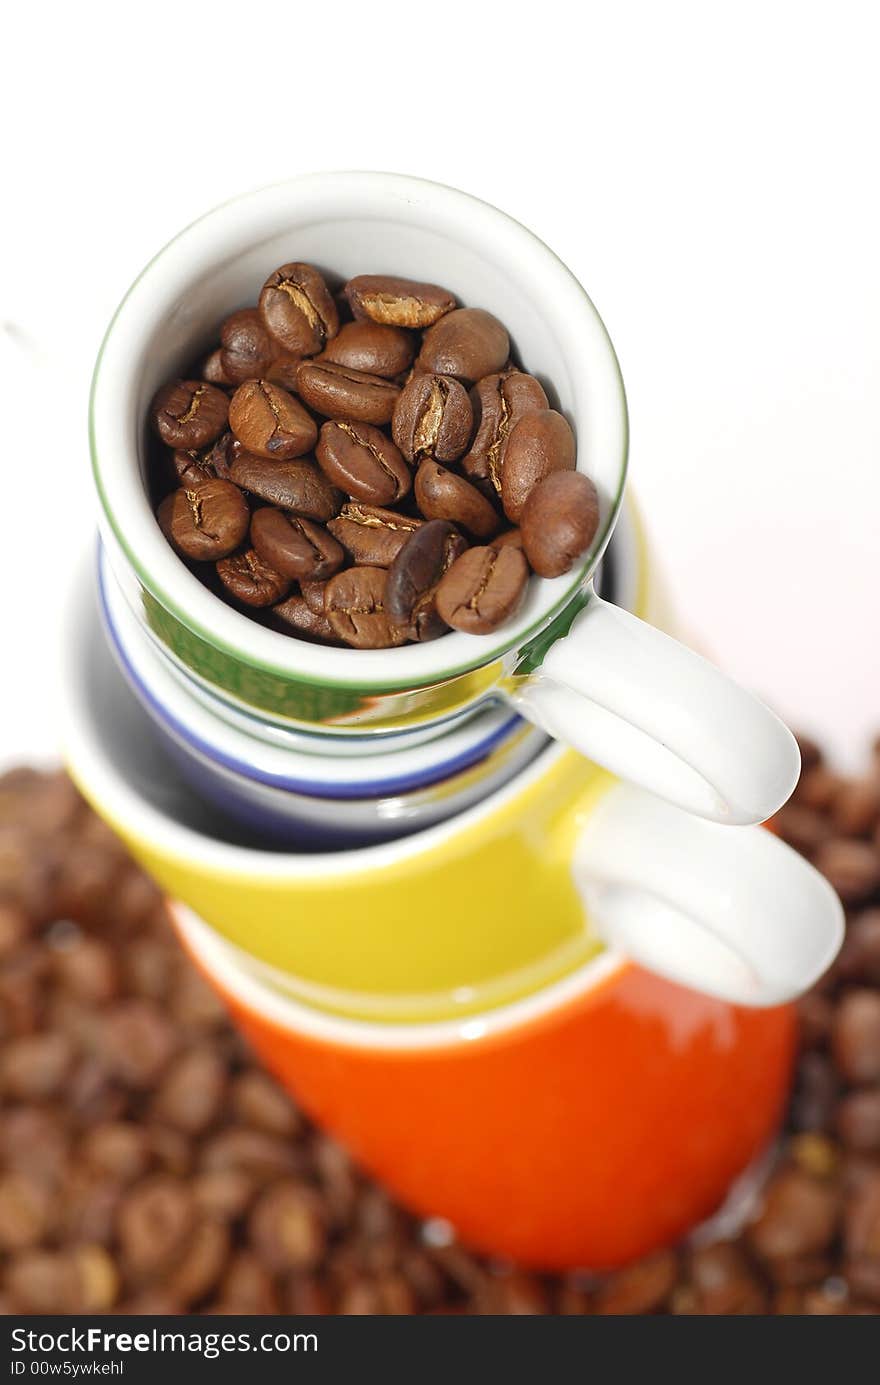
[[584, 1127], [587, 673], [303, 800], [353, 222], [385, 926], [488, 905]]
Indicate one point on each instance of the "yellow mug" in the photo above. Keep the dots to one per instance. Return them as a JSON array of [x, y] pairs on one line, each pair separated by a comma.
[[476, 911]]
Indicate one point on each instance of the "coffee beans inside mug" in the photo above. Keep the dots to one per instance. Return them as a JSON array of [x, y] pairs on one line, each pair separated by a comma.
[[369, 466]]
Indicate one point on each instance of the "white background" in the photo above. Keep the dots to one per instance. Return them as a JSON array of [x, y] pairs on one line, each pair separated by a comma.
[[710, 174]]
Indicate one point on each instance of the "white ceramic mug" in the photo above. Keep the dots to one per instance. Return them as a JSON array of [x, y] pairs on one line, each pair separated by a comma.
[[623, 694], [284, 797]]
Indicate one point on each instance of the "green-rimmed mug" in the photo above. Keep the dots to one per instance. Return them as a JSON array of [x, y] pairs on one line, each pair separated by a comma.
[[625, 695]]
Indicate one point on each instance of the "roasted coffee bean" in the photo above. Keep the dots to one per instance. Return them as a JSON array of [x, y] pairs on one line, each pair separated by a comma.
[[286, 1227], [212, 369], [337, 391], [268, 421], [517, 1295], [191, 1093], [14, 927], [482, 589], [298, 309], [118, 1150], [190, 413], [802, 827], [35, 1066], [34, 1138], [859, 959], [362, 376], [336, 1178], [299, 485], [799, 1216], [247, 349], [314, 593], [815, 1015], [219, 457], [573, 1301], [251, 580], [499, 402], [372, 348], [260, 1102], [411, 589], [303, 619], [397, 302], [354, 606], [155, 1222], [818, 787], [282, 369], [361, 460], [244, 1150], [136, 1042], [442, 494], [432, 418], [853, 867], [80, 1279], [855, 1038], [467, 343], [195, 1007], [798, 1271], [294, 546], [815, 1153], [725, 1282], [25, 1211], [193, 468], [862, 1218], [858, 1120], [121, 1212], [816, 1092], [85, 968], [206, 523], [200, 1265], [539, 444], [641, 1288], [32, 800], [224, 1194], [811, 751], [855, 809], [248, 1287], [511, 538], [863, 1280], [559, 522], [371, 535]]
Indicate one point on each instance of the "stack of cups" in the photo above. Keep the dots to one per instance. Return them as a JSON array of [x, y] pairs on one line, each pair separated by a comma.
[[496, 908]]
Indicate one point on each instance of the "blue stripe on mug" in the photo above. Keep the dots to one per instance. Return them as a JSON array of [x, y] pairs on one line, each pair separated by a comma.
[[356, 789]]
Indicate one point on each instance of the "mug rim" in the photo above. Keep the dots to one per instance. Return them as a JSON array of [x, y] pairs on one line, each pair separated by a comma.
[[466, 1031], [123, 498], [228, 747], [102, 781]]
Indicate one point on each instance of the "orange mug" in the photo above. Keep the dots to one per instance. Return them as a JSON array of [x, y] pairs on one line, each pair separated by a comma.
[[583, 1126]]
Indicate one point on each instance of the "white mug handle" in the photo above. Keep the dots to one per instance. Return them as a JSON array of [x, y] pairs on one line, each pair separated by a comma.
[[732, 912], [655, 713]]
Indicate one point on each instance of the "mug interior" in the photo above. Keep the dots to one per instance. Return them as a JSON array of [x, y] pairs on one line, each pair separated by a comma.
[[231, 972], [347, 224]]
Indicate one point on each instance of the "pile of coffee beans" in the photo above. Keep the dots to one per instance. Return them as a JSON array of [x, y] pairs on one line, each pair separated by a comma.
[[370, 468], [148, 1165]]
